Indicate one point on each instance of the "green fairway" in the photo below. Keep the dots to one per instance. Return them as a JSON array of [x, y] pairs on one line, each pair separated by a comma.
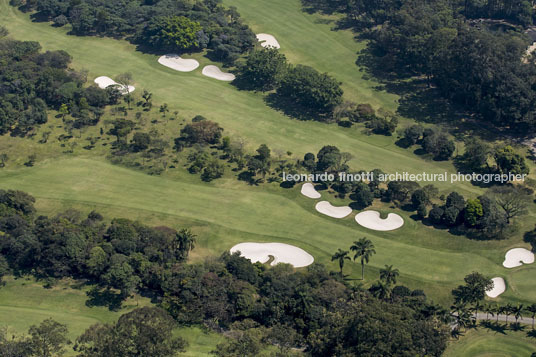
[[486, 343], [243, 113], [228, 212], [25, 302]]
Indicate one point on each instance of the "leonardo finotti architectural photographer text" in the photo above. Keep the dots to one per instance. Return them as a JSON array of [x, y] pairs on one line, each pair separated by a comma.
[[404, 176]]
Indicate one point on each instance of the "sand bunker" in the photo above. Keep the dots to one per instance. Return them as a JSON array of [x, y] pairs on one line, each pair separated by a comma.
[[105, 82], [308, 190], [268, 40], [517, 257], [214, 72], [372, 220], [177, 63], [498, 288], [326, 208], [282, 253]]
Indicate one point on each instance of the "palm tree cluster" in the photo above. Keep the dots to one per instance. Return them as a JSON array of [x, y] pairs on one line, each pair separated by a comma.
[[363, 249], [467, 316]]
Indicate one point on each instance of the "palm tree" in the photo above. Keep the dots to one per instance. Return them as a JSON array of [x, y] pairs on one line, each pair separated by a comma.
[[389, 275], [476, 307], [456, 333], [365, 249], [380, 290], [341, 256], [490, 310], [517, 311], [532, 310], [186, 240], [498, 310], [507, 310]]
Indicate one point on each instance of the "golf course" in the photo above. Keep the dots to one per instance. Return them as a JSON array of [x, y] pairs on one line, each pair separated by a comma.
[[226, 212]]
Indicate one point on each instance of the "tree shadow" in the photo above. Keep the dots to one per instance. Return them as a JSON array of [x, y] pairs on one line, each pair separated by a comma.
[[291, 109], [495, 326], [106, 297]]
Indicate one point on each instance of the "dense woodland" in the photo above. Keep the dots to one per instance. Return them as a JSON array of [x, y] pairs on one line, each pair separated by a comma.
[[31, 82], [123, 257], [473, 51], [175, 26]]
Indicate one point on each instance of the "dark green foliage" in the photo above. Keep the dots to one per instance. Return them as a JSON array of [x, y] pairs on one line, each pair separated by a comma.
[[263, 69], [32, 82], [474, 289], [438, 144], [436, 215], [147, 331], [172, 33], [363, 195], [141, 141], [383, 126], [454, 199], [412, 134], [159, 25], [471, 50], [508, 161], [314, 91], [201, 132]]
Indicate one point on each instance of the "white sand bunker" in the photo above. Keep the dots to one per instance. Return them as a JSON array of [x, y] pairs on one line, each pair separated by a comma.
[[517, 257], [498, 288], [326, 208], [372, 220], [308, 190], [268, 40], [282, 253], [105, 82], [177, 63], [216, 73]]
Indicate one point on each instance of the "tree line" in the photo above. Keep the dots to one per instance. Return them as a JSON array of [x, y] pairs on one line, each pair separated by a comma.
[[33, 82], [253, 300], [471, 50], [172, 26]]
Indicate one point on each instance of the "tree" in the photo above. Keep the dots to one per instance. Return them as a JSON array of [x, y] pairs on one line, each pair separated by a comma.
[[514, 201], [474, 289], [48, 339], [473, 212], [389, 275], [175, 33], [508, 161], [438, 144], [341, 256], [532, 310], [517, 311], [4, 268], [186, 240], [476, 154], [147, 97], [313, 91], [164, 109], [64, 110], [3, 159], [247, 343], [263, 69], [363, 249], [125, 80], [202, 132], [507, 311], [141, 141], [363, 195], [412, 134], [147, 331]]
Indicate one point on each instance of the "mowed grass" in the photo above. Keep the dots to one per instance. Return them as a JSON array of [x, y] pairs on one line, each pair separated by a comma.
[[228, 212], [241, 113], [487, 343], [25, 302]]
